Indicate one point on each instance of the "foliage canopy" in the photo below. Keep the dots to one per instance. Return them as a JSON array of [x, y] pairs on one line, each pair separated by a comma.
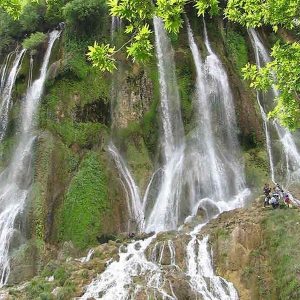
[[138, 16], [283, 72]]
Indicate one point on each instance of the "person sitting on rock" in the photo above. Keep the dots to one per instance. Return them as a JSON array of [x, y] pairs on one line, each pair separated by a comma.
[[274, 202], [276, 193], [287, 201]]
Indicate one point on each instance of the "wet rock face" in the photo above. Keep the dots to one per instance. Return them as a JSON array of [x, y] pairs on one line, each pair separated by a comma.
[[97, 111], [132, 98], [21, 264], [236, 237]]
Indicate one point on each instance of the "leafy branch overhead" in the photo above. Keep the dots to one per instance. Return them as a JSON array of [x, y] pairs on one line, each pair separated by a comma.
[[138, 15], [13, 7], [283, 72]]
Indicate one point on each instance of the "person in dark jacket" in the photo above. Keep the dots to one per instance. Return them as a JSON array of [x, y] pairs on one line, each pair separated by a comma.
[[267, 189]]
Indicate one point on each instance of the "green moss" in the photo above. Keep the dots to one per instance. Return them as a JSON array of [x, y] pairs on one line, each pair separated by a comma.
[[6, 149], [38, 287], [282, 238], [65, 93], [66, 292], [237, 50], [61, 275], [185, 70], [256, 167], [132, 128], [139, 161], [186, 91], [34, 41], [223, 234], [149, 123], [86, 199], [84, 134], [38, 217], [75, 85]]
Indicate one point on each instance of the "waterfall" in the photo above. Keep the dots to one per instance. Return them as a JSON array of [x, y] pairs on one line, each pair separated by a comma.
[[166, 211], [116, 24], [16, 179], [215, 138], [172, 137], [6, 91], [291, 158], [132, 192], [216, 187], [4, 68], [162, 216], [201, 271]]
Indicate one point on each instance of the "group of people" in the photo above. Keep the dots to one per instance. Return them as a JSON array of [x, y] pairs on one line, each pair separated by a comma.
[[277, 194]]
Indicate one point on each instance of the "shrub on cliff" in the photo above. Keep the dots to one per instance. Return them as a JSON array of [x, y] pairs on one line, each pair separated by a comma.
[[32, 16], [34, 41], [85, 15]]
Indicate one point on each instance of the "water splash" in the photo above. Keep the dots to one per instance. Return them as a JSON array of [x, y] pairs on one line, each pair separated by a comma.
[[16, 179], [201, 271], [6, 91], [113, 282]]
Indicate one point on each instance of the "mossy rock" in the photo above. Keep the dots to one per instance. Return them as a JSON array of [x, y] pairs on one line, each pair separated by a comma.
[[84, 203]]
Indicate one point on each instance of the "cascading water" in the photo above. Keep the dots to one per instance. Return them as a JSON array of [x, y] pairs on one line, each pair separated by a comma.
[[5, 97], [16, 179], [215, 138], [117, 281], [4, 68], [290, 160], [166, 211], [201, 271], [115, 25], [133, 198]]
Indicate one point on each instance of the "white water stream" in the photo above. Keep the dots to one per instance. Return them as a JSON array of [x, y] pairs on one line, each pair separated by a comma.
[[16, 179], [4, 68], [166, 211], [6, 90], [215, 141], [289, 161], [132, 192]]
